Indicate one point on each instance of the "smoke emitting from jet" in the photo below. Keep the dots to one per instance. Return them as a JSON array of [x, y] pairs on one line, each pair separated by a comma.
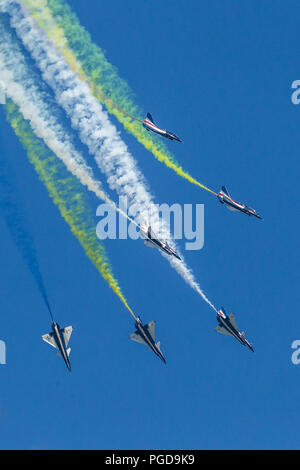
[[23, 87], [67, 195], [13, 212], [94, 128], [88, 61], [28, 97]]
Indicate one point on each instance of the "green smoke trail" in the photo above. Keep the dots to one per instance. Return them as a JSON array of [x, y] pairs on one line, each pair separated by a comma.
[[66, 193], [91, 65]]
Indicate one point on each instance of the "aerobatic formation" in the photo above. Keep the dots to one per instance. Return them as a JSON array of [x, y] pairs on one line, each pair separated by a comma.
[[46, 30]]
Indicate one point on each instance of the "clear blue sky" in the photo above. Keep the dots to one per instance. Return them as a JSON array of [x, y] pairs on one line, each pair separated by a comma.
[[218, 74]]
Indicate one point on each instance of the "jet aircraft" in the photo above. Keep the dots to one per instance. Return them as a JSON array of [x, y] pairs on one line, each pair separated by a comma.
[[59, 339], [152, 241], [145, 334], [225, 198], [149, 125], [227, 326]]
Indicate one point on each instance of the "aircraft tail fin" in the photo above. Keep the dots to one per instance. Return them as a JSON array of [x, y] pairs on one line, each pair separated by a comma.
[[150, 118], [225, 191], [151, 234]]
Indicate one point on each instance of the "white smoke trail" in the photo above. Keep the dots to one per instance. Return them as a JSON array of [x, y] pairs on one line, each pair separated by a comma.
[[95, 129], [20, 85]]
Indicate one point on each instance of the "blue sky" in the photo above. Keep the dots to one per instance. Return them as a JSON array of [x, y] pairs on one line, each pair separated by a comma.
[[219, 74]]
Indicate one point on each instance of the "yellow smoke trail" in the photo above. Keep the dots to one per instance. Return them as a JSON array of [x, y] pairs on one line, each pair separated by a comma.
[[88, 61], [66, 193]]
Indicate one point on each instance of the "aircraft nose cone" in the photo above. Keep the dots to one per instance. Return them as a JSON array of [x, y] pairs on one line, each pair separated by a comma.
[[162, 358]]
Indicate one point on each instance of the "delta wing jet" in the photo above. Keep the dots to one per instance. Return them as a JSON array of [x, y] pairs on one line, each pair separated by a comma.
[[59, 339], [149, 125], [225, 198], [152, 241], [227, 326], [145, 334]]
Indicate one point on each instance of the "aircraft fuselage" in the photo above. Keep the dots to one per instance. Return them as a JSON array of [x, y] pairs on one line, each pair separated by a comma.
[[225, 322], [236, 206], [149, 126], [156, 243], [61, 344], [149, 340]]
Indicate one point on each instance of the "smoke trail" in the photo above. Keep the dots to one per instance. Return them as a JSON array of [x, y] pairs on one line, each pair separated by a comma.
[[94, 128], [22, 86], [13, 212], [66, 194], [89, 62], [34, 108]]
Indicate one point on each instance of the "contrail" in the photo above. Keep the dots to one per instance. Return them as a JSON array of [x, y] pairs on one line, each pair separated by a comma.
[[22, 86], [95, 130], [33, 107], [13, 211], [89, 62], [66, 193]]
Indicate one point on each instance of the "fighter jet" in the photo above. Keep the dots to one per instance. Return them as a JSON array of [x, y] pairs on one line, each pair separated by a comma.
[[228, 326], [225, 198], [59, 339], [152, 241], [145, 334], [149, 125]]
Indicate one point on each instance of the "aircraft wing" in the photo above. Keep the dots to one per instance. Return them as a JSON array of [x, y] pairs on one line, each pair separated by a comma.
[[49, 338], [232, 319], [149, 243], [137, 337], [66, 332], [151, 329], [221, 329], [232, 209]]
